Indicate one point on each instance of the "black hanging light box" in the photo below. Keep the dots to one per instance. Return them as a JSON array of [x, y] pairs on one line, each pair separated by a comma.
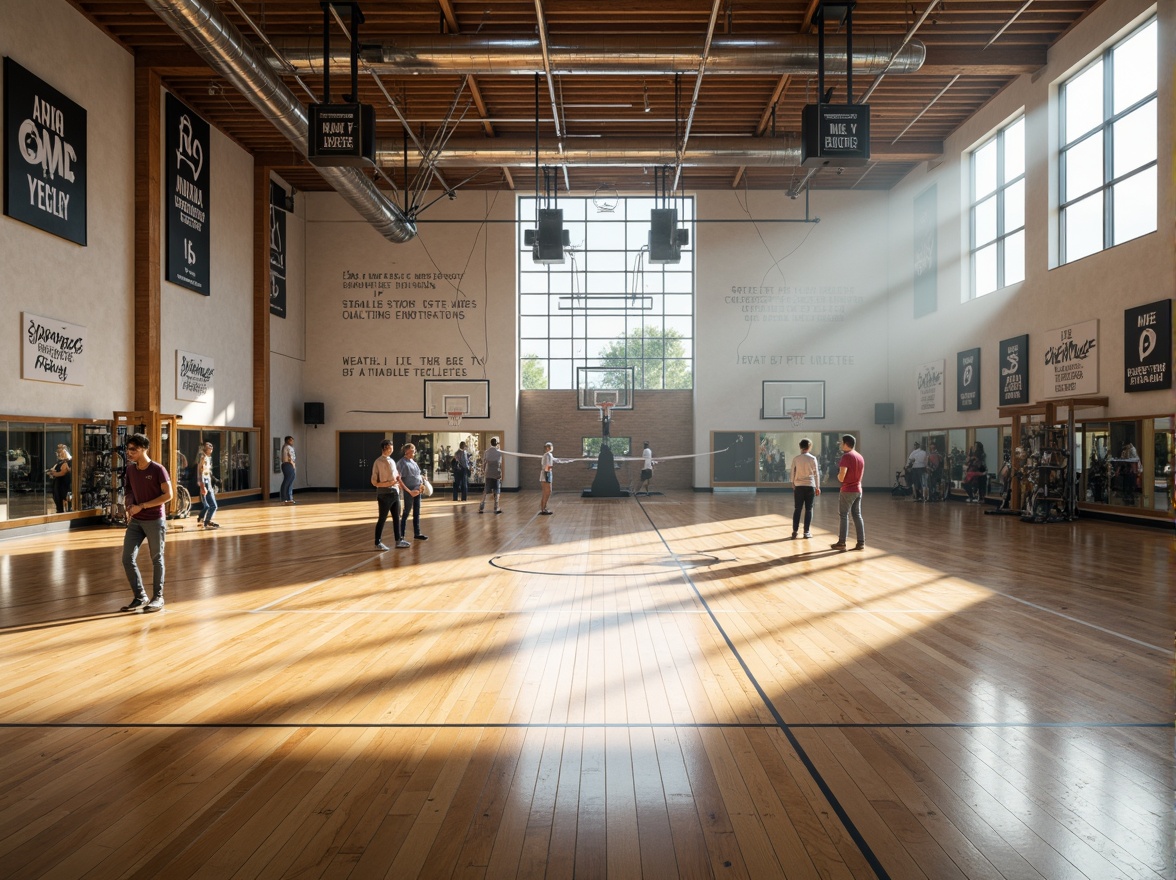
[[342, 134], [547, 243], [665, 238], [835, 134]]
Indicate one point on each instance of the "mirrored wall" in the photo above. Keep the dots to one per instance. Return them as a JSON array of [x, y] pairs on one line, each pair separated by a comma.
[[1118, 463], [44, 471], [234, 458]]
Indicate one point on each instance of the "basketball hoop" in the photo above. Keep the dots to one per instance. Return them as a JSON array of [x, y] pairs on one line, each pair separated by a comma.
[[797, 417], [455, 418], [604, 406]]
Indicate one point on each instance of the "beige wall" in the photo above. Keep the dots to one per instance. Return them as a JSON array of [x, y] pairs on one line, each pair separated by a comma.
[[41, 273]]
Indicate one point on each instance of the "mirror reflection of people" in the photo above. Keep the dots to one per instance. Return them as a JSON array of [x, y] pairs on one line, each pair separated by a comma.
[[976, 474], [60, 472], [207, 491], [1128, 472]]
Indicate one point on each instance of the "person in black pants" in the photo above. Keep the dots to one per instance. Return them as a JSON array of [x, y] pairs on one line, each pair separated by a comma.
[[460, 470], [410, 480], [386, 479], [61, 480]]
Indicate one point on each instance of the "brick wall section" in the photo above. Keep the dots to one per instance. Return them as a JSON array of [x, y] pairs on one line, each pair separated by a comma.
[[664, 418]]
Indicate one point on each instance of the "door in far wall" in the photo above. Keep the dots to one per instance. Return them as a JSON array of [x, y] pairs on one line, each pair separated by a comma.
[[357, 451]]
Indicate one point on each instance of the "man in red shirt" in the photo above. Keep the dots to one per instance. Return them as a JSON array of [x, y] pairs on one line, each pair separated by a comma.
[[148, 490], [850, 470]]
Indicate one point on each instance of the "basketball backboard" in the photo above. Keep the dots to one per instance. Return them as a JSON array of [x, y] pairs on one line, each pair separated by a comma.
[[605, 385], [784, 399], [470, 397]]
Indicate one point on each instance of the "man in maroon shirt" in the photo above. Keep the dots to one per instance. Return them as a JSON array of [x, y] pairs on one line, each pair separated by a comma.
[[148, 490], [850, 470]]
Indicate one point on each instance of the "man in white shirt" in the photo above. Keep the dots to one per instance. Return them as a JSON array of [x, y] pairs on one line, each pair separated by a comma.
[[492, 474], [386, 479], [806, 485], [646, 468], [545, 476]]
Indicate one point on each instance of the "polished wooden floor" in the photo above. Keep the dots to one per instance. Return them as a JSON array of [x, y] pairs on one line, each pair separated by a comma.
[[647, 688]]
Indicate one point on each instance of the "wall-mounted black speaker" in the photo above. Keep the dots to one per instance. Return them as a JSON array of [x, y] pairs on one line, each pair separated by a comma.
[[314, 414], [883, 413]]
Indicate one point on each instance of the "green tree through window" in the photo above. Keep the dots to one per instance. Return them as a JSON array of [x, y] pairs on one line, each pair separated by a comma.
[[533, 374], [659, 356]]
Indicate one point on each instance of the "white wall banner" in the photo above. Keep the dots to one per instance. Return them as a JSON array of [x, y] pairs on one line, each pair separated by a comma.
[[1071, 360], [52, 350], [194, 374], [929, 387]]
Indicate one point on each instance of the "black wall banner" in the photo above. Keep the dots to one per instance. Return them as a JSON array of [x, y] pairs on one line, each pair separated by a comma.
[[1147, 347], [968, 380], [1014, 370], [45, 156], [277, 250], [189, 245]]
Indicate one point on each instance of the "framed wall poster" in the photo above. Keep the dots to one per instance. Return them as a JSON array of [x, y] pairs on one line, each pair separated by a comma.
[[44, 156], [52, 350], [1014, 371], [194, 375], [968, 380], [1070, 359], [187, 186], [1147, 347], [929, 387], [277, 250]]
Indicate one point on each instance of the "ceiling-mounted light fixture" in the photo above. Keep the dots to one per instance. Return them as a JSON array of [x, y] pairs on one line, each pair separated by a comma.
[[645, 94]]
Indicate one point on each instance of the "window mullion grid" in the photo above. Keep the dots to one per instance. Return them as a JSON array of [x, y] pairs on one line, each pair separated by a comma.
[[1001, 185], [1108, 147]]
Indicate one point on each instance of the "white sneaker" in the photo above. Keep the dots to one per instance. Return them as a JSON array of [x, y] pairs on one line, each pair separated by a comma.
[[401, 544], [380, 545]]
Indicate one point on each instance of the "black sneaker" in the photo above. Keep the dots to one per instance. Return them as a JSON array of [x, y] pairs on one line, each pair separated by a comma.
[[421, 537], [135, 604], [156, 604]]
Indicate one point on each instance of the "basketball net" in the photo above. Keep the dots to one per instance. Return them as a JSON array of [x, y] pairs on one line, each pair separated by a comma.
[[454, 418], [604, 408], [797, 417]]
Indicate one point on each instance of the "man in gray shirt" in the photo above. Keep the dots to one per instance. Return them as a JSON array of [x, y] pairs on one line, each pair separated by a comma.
[[492, 473]]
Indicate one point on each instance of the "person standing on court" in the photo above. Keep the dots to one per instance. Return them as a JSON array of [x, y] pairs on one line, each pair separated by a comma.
[[917, 462], [492, 474], [148, 489], [461, 472], [806, 485], [207, 492], [386, 479], [646, 468], [545, 476], [851, 469], [410, 480], [289, 471]]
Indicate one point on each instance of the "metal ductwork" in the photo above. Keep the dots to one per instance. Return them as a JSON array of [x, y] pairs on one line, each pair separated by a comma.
[[610, 152], [203, 27], [648, 55]]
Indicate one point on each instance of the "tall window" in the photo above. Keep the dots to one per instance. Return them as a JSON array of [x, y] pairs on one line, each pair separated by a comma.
[[606, 305], [1107, 164], [998, 210]]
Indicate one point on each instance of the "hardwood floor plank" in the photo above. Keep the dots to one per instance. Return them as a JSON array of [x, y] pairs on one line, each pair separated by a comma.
[[597, 693]]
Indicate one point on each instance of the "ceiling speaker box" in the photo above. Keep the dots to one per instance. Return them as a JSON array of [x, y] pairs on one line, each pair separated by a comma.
[[314, 413], [883, 413], [549, 240], [665, 238]]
